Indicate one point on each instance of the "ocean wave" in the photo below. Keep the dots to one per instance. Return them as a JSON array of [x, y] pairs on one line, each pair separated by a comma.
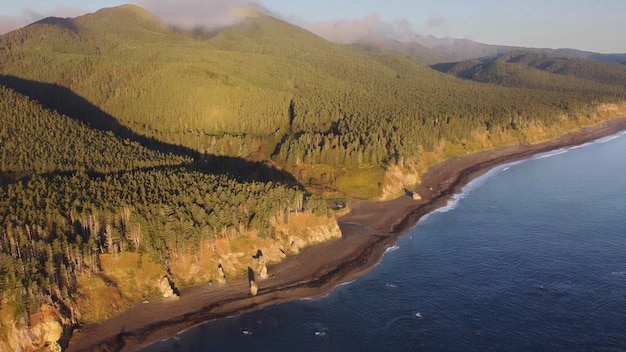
[[329, 292], [472, 185], [346, 283], [580, 146], [607, 139], [391, 249], [550, 154]]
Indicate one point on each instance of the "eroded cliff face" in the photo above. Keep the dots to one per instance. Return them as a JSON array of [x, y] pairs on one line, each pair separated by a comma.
[[397, 179], [406, 174], [130, 278], [41, 331], [233, 256]]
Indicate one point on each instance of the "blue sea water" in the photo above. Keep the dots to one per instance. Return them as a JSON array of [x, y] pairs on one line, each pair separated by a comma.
[[530, 257]]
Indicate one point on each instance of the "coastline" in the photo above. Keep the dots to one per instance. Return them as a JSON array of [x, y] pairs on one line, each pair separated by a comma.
[[367, 231]]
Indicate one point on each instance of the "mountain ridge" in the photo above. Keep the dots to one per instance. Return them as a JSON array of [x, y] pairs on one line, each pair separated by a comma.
[[524, 67], [266, 89]]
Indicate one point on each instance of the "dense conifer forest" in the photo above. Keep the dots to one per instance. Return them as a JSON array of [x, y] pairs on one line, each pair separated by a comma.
[[71, 192]]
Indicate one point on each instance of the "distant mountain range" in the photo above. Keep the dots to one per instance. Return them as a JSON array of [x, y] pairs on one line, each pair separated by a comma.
[[266, 90], [432, 50]]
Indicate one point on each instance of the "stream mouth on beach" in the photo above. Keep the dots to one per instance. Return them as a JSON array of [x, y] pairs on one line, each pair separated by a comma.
[[529, 256]]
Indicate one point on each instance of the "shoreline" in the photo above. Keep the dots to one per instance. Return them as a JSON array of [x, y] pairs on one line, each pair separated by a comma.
[[367, 231]]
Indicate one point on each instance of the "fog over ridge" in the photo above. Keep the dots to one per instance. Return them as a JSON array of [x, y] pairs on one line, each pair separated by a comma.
[[205, 14], [362, 30]]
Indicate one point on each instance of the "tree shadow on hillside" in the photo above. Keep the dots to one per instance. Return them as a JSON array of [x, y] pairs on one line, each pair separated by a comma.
[[68, 103]]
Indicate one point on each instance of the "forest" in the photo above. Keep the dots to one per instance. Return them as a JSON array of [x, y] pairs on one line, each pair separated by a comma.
[[71, 193], [120, 134]]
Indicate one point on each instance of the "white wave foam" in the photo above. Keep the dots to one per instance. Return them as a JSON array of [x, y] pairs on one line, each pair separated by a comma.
[[550, 154], [454, 200], [346, 283], [607, 139], [391, 249], [580, 146], [472, 185], [329, 293]]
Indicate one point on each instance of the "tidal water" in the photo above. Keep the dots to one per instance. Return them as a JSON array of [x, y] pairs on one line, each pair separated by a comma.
[[529, 257]]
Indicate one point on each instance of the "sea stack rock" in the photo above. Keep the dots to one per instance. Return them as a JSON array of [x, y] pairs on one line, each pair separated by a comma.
[[165, 287], [253, 288], [263, 271], [221, 276], [261, 265], [415, 196]]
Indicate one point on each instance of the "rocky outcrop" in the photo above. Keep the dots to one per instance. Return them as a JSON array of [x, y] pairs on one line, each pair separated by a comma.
[[396, 179], [263, 271], [221, 276], [253, 288], [40, 331], [166, 288], [260, 264]]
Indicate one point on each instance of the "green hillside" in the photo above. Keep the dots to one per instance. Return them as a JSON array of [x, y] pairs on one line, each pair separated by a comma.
[[71, 193], [35, 140], [265, 89], [541, 71]]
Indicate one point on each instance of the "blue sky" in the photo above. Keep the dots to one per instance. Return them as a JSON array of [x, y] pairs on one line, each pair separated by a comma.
[[594, 25]]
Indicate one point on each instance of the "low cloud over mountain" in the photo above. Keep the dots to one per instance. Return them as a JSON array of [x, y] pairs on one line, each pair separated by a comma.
[[192, 14], [362, 30]]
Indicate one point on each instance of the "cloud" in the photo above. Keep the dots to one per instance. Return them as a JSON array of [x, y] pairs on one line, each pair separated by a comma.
[[363, 30], [193, 14], [187, 14], [28, 16]]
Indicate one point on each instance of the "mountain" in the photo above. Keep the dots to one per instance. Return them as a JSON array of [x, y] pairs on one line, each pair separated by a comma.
[[264, 90], [538, 70], [461, 49], [431, 50]]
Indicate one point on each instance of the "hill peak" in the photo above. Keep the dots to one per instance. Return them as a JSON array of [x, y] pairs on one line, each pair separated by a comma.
[[128, 10], [124, 16]]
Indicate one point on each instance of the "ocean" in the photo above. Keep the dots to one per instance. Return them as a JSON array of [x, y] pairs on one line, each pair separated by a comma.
[[529, 257]]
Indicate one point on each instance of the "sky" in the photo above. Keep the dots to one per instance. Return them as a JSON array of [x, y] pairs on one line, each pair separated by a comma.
[[592, 25]]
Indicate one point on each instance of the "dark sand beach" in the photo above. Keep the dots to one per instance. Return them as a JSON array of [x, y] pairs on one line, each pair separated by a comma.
[[367, 231]]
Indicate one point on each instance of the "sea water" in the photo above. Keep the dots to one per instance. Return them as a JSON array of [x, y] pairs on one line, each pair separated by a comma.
[[529, 257]]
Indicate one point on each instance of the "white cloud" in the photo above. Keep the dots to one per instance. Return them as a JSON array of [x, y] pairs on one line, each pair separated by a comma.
[[367, 29], [191, 14]]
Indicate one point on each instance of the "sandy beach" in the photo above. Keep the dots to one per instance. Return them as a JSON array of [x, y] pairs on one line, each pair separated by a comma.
[[367, 231]]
